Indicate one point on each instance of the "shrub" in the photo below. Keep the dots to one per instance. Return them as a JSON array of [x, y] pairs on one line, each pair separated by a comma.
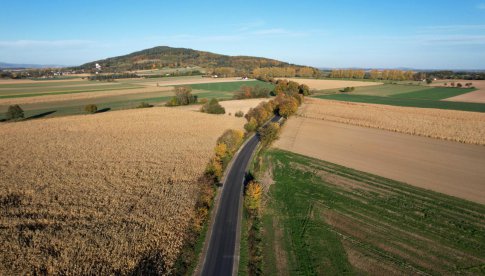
[[248, 92], [91, 108], [348, 89], [459, 85], [14, 112], [213, 107], [269, 133], [144, 105], [252, 200], [251, 126], [304, 89], [239, 113], [183, 96], [214, 168], [231, 138]]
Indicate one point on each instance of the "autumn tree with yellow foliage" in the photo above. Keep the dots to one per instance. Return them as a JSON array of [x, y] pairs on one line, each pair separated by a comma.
[[252, 200]]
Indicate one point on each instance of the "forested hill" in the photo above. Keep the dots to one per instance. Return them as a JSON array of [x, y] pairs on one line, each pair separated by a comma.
[[164, 56]]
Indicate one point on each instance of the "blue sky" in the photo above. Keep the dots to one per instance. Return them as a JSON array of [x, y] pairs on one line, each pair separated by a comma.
[[326, 33]]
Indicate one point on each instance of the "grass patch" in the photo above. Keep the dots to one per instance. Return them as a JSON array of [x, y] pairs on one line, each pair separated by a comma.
[[336, 220], [435, 93], [229, 86], [407, 102], [22, 94], [76, 108]]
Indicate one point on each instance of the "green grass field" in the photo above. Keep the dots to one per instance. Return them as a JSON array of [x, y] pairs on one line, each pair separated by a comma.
[[405, 95], [107, 101], [326, 219], [434, 93], [63, 90], [229, 86], [407, 102]]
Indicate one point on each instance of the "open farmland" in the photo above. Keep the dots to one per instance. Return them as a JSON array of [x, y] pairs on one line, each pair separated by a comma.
[[231, 106], [318, 84], [448, 167], [477, 96], [230, 86], [60, 98], [407, 95], [406, 102], [322, 218], [460, 126], [109, 193]]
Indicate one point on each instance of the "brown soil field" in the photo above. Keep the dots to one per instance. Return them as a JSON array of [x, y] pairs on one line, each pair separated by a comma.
[[331, 84], [460, 126], [477, 96], [102, 194], [447, 167], [83, 95]]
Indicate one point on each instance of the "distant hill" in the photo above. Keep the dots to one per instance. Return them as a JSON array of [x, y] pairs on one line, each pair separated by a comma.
[[164, 56], [4, 65]]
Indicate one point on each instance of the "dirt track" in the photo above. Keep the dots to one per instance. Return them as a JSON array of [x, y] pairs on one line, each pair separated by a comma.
[[447, 167]]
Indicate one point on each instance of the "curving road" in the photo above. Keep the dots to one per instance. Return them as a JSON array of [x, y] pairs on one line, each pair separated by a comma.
[[221, 256]]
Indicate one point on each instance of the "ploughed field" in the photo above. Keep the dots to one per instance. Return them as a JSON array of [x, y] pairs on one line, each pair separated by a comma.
[[322, 218], [331, 131], [110, 193]]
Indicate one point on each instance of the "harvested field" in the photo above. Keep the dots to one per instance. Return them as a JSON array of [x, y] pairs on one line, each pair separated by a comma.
[[231, 106], [334, 220], [234, 106], [26, 81], [447, 167], [82, 95], [183, 81], [477, 96], [102, 194], [68, 97], [331, 84], [460, 126]]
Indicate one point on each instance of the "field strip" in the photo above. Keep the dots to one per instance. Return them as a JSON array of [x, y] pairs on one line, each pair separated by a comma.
[[86, 84], [320, 84], [448, 167], [81, 95], [471, 97], [453, 125], [191, 81]]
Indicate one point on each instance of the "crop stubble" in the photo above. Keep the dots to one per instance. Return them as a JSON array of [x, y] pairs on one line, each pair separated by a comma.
[[104, 193]]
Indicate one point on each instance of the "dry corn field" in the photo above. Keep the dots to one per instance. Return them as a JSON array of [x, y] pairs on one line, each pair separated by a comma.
[[460, 126], [100, 194]]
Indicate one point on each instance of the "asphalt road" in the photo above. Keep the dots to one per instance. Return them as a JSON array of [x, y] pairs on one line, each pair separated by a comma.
[[220, 256]]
